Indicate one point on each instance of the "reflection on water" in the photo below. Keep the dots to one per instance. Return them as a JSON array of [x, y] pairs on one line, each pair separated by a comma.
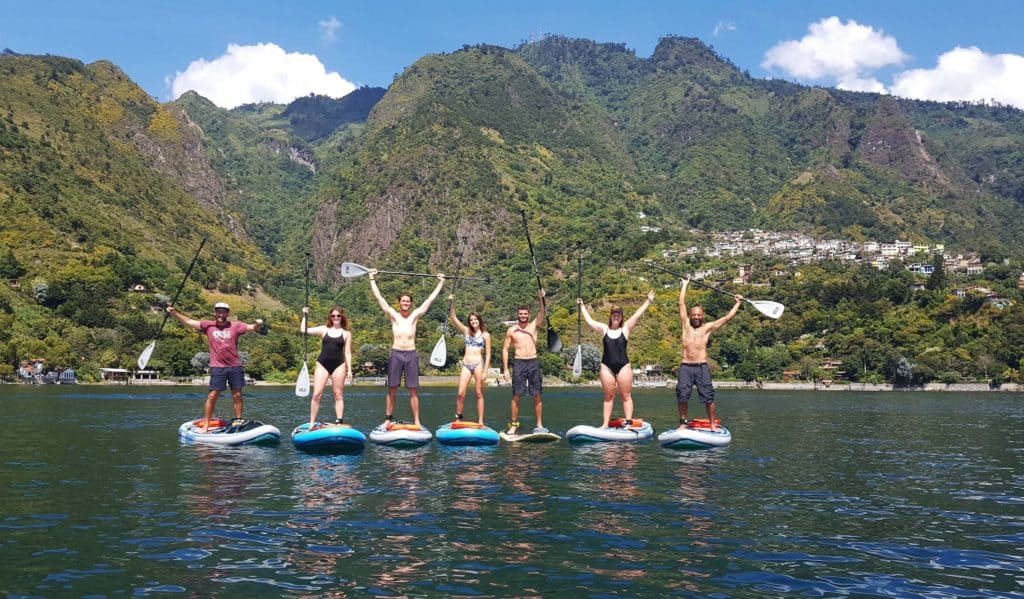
[[818, 495]]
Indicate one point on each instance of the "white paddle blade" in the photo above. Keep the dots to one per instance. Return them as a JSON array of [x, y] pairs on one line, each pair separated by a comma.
[[772, 310], [302, 383], [577, 364], [439, 356], [145, 355], [351, 270]]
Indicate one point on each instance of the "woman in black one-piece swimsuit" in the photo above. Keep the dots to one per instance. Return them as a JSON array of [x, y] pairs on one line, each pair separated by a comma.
[[334, 361], [616, 373]]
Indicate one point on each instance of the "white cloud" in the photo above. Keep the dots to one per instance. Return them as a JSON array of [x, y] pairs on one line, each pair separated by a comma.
[[861, 84], [966, 74], [833, 49], [722, 27], [259, 73], [329, 29]]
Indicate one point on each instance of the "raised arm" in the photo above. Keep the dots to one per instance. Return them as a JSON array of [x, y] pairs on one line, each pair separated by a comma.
[[255, 327], [380, 298], [721, 321], [640, 312], [183, 319], [684, 314], [454, 318], [537, 322], [598, 327], [317, 331], [422, 309]]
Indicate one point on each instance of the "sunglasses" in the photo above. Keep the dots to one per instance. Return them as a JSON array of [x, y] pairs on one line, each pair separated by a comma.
[[335, 315]]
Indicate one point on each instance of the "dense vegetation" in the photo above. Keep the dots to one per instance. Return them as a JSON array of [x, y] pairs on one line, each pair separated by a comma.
[[104, 189]]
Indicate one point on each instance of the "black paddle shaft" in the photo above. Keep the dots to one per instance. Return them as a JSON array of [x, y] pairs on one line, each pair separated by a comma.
[[305, 337], [455, 283], [705, 285], [579, 294], [181, 286], [553, 339]]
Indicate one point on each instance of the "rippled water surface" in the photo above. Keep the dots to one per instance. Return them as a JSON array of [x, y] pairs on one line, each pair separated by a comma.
[[820, 494]]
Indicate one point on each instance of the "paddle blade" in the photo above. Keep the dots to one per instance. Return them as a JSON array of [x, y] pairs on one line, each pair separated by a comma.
[[351, 270], [302, 383], [439, 356], [145, 355], [772, 310], [554, 343], [577, 364]]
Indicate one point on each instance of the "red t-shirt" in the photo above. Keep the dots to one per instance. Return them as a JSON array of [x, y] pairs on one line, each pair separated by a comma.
[[223, 341]]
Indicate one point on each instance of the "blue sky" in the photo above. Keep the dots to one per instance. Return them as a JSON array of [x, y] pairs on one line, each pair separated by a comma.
[[234, 52]]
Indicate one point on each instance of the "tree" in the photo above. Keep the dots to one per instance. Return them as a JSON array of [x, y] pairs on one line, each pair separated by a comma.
[[10, 268], [936, 280]]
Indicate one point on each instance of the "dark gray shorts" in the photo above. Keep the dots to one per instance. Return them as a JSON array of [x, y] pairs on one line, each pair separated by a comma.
[[404, 361], [222, 376], [695, 374], [526, 377]]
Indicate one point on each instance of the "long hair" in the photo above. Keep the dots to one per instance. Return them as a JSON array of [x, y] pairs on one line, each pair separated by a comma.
[[469, 319], [622, 317], [339, 310]]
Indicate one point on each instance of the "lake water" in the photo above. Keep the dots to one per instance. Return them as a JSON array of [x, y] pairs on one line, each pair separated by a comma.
[[820, 494]]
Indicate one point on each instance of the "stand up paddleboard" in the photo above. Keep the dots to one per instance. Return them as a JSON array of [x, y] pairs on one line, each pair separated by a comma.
[[696, 435], [617, 431], [236, 432], [465, 433], [400, 434], [529, 437], [323, 437]]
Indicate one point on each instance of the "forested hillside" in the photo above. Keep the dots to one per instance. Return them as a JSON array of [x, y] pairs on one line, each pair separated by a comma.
[[105, 189]]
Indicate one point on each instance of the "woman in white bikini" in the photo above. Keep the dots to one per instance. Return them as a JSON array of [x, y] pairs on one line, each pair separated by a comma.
[[334, 361], [475, 362]]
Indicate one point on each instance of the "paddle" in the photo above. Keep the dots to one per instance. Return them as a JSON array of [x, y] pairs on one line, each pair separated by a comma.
[[772, 310], [554, 343], [351, 270], [302, 383], [148, 352], [577, 364], [439, 356]]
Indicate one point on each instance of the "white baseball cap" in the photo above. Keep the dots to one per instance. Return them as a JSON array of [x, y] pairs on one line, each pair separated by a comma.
[[220, 305]]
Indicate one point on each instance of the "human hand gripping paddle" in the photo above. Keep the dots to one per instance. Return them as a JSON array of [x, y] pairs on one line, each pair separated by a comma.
[[772, 310], [148, 352], [577, 363], [302, 383], [554, 343], [439, 356]]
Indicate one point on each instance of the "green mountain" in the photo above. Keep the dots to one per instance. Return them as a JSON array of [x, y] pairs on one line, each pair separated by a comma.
[[103, 188]]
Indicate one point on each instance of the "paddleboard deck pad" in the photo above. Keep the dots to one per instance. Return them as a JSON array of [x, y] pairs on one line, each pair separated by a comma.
[[328, 437], [400, 434], [463, 433], [619, 430], [696, 435], [235, 432], [529, 437]]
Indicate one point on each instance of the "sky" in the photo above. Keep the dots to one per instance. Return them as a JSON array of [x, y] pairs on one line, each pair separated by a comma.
[[261, 50]]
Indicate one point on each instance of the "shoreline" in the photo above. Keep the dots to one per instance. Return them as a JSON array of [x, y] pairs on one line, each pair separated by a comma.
[[452, 381]]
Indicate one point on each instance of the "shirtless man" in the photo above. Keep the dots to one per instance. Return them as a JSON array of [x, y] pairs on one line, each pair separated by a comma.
[[523, 337], [695, 369], [403, 358]]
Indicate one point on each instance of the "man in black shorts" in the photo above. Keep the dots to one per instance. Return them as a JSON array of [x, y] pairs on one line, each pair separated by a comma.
[[526, 376], [694, 369]]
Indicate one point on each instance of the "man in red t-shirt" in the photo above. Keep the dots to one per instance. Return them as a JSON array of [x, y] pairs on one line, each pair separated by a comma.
[[225, 365]]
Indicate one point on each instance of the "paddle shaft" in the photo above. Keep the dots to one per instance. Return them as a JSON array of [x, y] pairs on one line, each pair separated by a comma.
[[420, 274], [533, 256], [705, 285], [579, 294], [455, 283], [181, 286], [305, 320]]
